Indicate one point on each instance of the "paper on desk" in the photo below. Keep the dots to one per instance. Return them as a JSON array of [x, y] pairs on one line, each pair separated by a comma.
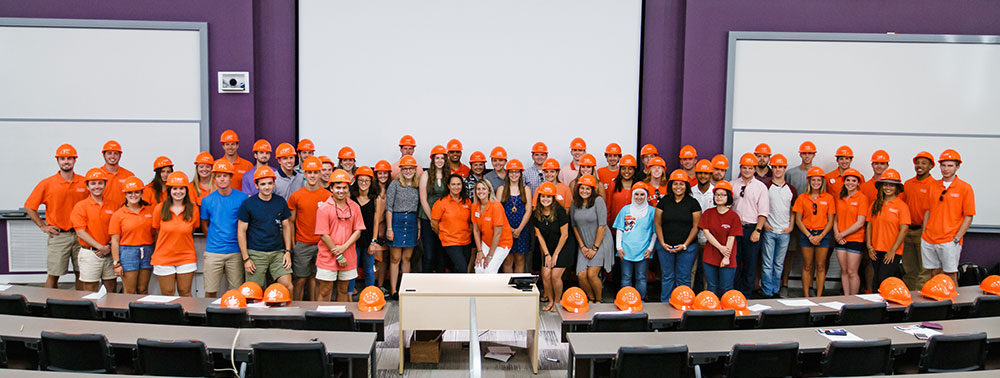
[[217, 301], [331, 308], [98, 295], [916, 328], [797, 302], [613, 312], [758, 307], [157, 298], [4, 287], [257, 304], [499, 353], [848, 337], [871, 297], [834, 305]]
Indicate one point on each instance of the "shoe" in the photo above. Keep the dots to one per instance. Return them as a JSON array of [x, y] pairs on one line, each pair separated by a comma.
[[394, 296]]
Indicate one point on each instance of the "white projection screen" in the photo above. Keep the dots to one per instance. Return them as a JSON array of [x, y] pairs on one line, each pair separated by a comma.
[[495, 72], [900, 93]]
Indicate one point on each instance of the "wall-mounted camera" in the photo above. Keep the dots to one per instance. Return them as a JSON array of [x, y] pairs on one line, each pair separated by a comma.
[[234, 82]]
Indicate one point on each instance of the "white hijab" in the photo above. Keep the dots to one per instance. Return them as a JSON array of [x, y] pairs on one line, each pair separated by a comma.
[[639, 210]]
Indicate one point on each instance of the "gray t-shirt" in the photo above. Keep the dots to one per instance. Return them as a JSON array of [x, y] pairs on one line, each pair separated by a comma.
[[797, 178], [494, 180]]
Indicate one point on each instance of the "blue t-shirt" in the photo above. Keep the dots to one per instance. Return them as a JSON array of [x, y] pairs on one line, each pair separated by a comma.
[[220, 211], [635, 233], [264, 222]]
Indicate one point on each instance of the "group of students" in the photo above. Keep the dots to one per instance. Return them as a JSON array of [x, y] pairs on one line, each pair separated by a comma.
[[313, 225]]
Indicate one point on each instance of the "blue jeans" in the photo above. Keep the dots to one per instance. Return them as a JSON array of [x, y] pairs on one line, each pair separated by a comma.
[[718, 280], [635, 270], [747, 254], [366, 264], [675, 268], [773, 260]]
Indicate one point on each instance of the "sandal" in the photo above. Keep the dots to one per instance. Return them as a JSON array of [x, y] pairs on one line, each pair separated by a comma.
[[543, 299]]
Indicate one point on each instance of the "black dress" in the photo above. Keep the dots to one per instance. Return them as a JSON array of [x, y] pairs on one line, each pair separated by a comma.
[[368, 215], [549, 227]]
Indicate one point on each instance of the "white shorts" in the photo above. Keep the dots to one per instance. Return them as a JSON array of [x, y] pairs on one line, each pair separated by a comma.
[[166, 270], [493, 267], [940, 256], [93, 268], [336, 275]]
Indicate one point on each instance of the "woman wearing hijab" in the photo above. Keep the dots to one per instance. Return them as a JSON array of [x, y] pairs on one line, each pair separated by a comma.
[[636, 238]]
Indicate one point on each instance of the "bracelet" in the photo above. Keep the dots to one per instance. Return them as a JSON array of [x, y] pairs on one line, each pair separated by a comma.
[[245, 259]]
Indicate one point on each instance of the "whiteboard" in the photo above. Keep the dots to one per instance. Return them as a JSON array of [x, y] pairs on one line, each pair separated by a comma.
[[84, 82], [900, 93], [495, 72]]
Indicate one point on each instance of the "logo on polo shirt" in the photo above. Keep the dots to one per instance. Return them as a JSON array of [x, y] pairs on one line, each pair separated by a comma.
[[727, 226], [855, 203], [148, 215], [477, 215], [833, 180], [954, 195], [81, 189], [894, 211]]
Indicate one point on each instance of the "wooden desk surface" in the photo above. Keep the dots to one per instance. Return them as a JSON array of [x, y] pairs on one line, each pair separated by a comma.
[[460, 284]]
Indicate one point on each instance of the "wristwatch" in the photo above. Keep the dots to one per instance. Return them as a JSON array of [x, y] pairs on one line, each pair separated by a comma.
[[245, 259], [288, 251], [117, 263]]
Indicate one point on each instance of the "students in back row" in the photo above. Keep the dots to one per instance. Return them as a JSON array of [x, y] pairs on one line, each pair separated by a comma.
[[918, 199], [607, 174], [261, 155], [230, 145], [59, 193], [577, 148], [156, 191], [201, 183], [407, 145], [587, 166], [496, 177], [289, 180], [533, 175], [219, 219], [116, 174]]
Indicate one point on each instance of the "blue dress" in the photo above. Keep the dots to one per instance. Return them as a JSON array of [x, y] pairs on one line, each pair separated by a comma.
[[515, 209]]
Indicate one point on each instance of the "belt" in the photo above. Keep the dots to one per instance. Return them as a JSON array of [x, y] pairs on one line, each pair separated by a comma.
[[69, 230], [915, 227]]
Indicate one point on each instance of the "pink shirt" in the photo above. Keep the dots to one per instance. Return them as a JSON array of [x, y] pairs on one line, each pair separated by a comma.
[[339, 223], [753, 203]]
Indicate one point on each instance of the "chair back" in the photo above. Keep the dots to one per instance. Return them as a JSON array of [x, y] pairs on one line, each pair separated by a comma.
[[178, 358], [857, 358], [708, 320], [986, 306], [330, 321], [763, 360], [786, 318], [861, 313], [227, 317], [157, 313], [657, 361], [302, 360], [83, 353], [954, 353], [71, 309], [625, 322], [924, 311], [14, 304]]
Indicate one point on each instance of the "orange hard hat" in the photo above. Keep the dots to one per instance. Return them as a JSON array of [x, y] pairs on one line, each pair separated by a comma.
[[643, 186], [223, 166], [312, 163], [539, 148], [514, 165], [703, 166], [365, 170], [762, 149], [891, 176], [815, 172], [587, 180], [371, 299], [880, 156], [407, 140], [233, 299], [894, 290], [748, 159], [284, 150], [991, 284], [264, 172], [161, 162], [688, 152], [678, 175], [627, 161], [735, 300], [855, 173], [613, 149], [261, 145], [550, 165], [498, 153], [66, 150], [778, 160], [477, 157], [383, 166], [946, 280], [720, 161], [577, 144], [950, 154], [111, 145], [588, 160], [95, 174], [925, 155], [628, 299], [340, 176], [648, 149], [657, 161], [306, 145], [454, 145], [807, 147], [682, 298], [346, 153], [277, 293], [407, 161], [229, 136], [325, 159], [937, 290], [438, 150], [252, 291], [723, 184], [132, 184], [575, 300], [844, 151], [177, 179], [707, 300], [204, 158], [546, 189]]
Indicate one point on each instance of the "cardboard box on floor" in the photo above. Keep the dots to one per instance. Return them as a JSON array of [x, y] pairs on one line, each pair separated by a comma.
[[426, 347]]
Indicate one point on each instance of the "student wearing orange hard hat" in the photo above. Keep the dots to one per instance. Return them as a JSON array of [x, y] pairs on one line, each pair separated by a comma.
[[688, 157], [721, 226], [262, 155], [59, 193], [402, 200], [590, 229], [948, 218], [588, 166], [564, 195], [289, 179], [888, 221], [492, 236], [577, 148], [880, 162], [656, 179], [763, 154], [339, 222], [515, 197], [380, 245], [620, 194], [814, 218], [366, 193], [498, 157], [779, 227], [304, 204], [219, 212], [230, 145], [455, 165], [407, 146], [116, 174], [918, 198], [646, 153], [91, 218], [551, 227], [849, 228], [156, 191], [433, 186], [720, 165], [305, 148], [796, 177], [175, 219], [835, 178], [347, 161], [477, 170], [451, 219], [533, 175], [676, 225], [606, 175], [131, 230], [201, 182], [703, 191], [636, 238], [752, 204], [265, 233]]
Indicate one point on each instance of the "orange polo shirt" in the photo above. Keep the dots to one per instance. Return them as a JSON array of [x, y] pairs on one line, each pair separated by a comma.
[[453, 221], [58, 196], [848, 211], [462, 170], [135, 229], [885, 225], [175, 240], [692, 178], [917, 195], [200, 196], [305, 204], [149, 195], [834, 181], [93, 217], [825, 205], [113, 189], [240, 167], [564, 196], [607, 177], [948, 210], [868, 189], [489, 218]]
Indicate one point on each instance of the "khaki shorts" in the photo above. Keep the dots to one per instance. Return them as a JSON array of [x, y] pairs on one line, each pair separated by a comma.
[[219, 264], [304, 259], [62, 249], [336, 275], [266, 262], [93, 268]]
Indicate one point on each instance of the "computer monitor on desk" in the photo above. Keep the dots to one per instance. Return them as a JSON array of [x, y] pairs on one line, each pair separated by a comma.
[[523, 283]]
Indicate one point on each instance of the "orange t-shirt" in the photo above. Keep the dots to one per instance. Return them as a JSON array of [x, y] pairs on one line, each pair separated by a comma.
[[848, 211], [305, 204], [948, 213], [113, 189], [93, 217], [885, 225], [618, 201], [825, 205], [240, 166], [564, 195], [175, 242], [149, 195], [657, 193], [134, 229], [489, 218], [917, 195], [607, 177], [58, 196], [453, 221]]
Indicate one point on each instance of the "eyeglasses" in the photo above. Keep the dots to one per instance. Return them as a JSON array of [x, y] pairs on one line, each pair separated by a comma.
[[943, 192], [814, 209], [350, 214], [743, 189]]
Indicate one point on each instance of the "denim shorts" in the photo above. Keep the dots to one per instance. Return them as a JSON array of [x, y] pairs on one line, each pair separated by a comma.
[[404, 230], [135, 257], [852, 247], [826, 242]]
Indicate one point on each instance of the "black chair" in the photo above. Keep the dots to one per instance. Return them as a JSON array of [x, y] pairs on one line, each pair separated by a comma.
[[790, 318], [985, 306], [84, 353], [763, 360], [627, 322], [924, 311], [865, 313], [13, 305], [157, 313], [657, 361], [290, 360], [857, 358], [708, 320], [330, 321], [227, 317], [71, 309], [954, 353], [180, 358]]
